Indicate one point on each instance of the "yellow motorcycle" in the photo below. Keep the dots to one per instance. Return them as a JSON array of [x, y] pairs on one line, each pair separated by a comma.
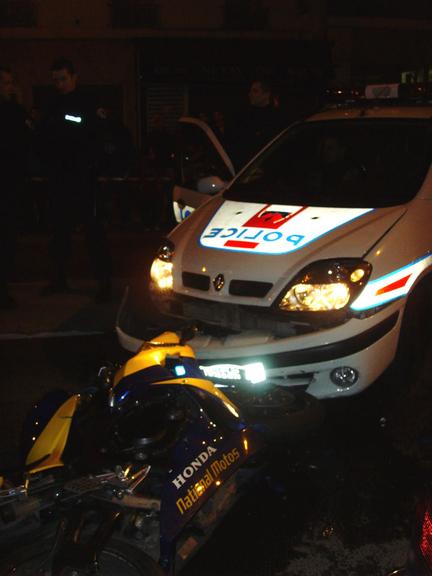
[[141, 467]]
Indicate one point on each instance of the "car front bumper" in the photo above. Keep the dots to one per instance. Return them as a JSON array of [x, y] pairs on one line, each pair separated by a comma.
[[366, 345]]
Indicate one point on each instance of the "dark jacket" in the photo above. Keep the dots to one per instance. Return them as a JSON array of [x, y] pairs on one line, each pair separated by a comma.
[[255, 129], [68, 136]]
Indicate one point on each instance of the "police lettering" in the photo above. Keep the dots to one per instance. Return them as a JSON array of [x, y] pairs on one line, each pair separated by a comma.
[[213, 232], [248, 234], [230, 232]]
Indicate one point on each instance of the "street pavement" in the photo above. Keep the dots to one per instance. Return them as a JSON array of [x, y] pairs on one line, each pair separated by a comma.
[[75, 312], [59, 341]]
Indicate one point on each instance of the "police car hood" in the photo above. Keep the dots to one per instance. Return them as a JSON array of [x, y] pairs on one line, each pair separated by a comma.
[[270, 243]]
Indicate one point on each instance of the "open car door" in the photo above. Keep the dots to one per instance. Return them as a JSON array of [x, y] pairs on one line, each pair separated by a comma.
[[203, 168]]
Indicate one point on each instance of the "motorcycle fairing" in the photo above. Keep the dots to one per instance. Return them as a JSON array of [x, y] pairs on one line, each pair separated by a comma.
[[208, 387], [211, 451], [49, 444], [154, 366], [203, 460], [137, 383], [152, 355]]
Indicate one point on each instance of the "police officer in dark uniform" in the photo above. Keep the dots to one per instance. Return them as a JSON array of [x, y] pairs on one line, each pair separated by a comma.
[[260, 123], [69, 143], [13, 165]]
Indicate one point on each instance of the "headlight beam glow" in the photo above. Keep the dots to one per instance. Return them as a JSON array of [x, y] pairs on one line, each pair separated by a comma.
[[316, 297], [162, 274], [326, 285]]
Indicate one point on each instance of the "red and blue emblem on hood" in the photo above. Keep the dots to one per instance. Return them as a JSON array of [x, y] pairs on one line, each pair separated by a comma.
[[272, 228]]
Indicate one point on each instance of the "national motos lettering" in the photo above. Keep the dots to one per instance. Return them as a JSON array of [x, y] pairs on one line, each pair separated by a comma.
[[211, 473]]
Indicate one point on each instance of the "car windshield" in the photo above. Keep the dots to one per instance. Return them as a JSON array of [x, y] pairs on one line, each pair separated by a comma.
[[362, 163]]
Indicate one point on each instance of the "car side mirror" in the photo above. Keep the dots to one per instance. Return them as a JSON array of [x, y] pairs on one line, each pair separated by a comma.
[[210, 185]]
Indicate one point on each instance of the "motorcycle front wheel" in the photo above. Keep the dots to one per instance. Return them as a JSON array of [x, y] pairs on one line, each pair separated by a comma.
[[116, 559]]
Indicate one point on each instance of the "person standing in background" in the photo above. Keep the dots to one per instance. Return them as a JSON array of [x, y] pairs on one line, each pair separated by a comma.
[[69, 144], [14, 144], [261, 122]]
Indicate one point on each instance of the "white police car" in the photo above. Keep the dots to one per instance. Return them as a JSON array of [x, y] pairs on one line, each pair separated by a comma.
[[312, 268]]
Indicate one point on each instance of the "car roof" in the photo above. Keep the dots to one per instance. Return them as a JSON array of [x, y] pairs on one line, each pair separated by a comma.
[[373, 111]]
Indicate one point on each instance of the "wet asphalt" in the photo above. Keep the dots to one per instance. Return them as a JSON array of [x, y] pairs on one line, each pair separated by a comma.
[[337, 501]]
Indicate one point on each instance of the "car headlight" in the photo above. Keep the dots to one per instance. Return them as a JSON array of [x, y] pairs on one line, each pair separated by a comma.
[[326, 285], [161, 271]]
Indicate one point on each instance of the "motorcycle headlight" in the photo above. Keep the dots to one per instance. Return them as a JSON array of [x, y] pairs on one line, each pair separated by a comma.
[[326, 285], [161, 272]]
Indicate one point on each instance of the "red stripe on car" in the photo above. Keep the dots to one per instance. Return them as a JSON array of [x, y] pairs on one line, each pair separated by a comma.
[[394, 285], [240, 244]]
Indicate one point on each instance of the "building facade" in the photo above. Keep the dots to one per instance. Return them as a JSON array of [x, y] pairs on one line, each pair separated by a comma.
[[152, 58], [171, 57]]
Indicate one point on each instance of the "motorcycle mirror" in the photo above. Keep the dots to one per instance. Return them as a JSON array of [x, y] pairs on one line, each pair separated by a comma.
[[105, 376]]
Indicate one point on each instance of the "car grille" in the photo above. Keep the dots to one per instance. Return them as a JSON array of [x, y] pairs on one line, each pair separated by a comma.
[[246, 288], [249, 288], [231, 317], [196, 281]]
